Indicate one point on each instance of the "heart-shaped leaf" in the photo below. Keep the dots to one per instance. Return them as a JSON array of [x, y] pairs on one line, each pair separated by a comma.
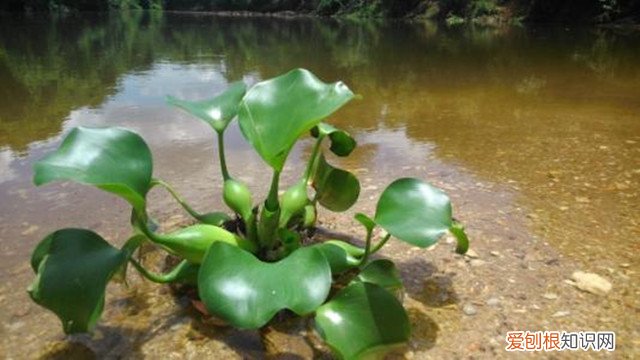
[[363, 321], [73, 267], [342, 144], [336, 189], [217, 112], [414, 211], [247, 293], [112, 159], [276, 112]]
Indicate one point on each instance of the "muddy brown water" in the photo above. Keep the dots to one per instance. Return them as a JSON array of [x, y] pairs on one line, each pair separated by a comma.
[[534, 132]]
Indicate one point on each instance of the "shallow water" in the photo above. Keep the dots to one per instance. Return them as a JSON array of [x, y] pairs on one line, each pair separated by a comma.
[[549, 117]]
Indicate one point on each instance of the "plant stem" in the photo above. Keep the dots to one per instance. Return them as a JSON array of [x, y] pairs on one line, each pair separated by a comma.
[[177, 197], [381, 244], [272, 199], [313, 158], [223, 160], [171, 276], [367, 248]]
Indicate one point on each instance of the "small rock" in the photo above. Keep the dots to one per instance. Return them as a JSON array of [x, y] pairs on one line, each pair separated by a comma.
[[493, 301], [591, 283], [550, 296], [476, 262], [495, 253], [561, 314], [471, 254], [469, 310]]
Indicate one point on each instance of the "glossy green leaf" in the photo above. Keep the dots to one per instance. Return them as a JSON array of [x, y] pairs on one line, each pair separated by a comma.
[[336, 189], [363, 321], [341, 256], [113, 159], [193, 241], [276, 112], [217, 112], [73, 269], [383, 273], [414, 211], [342, 144], [461, 236], [247, 293]]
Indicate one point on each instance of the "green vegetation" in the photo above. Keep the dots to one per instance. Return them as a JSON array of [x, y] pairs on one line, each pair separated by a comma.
[[451, 11], [249, 267]]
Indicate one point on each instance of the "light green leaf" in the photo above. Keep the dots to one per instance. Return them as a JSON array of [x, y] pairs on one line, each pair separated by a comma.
[[342, 144], [217, 112], [276, 112], [73, 267], [112, 159], [336, 189], [414, 211], [363, 321], [192, 242], [247, 293]]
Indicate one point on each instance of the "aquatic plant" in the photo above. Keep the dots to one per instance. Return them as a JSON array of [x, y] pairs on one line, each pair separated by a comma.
[[249, 267]]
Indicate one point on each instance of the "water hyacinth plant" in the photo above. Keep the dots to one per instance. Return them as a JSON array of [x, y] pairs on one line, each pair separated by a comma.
[[247, 273]]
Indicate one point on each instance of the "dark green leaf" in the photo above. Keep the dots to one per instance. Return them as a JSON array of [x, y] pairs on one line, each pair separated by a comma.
[[340, 255], [414, 211], [336, 189], [363, 321], [276, 112], [247, 293], [73, 269], [113, 159], [383, 273], [217, 112], [342, 144]]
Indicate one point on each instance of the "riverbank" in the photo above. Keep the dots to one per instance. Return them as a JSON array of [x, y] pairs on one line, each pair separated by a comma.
[[485, 12]]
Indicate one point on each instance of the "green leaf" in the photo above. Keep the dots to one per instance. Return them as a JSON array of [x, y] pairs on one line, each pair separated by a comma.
[[414, 211], [366, 221], [247, 293], [341, 256], [217, 112], [215, 218], [342, 144], [73, 269], [383, 273], [363, 321], [457, 229], [192, 242], [113, 159], [276, 112], [336, 189]]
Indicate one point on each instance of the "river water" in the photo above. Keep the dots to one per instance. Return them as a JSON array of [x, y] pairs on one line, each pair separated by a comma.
[[548, 115]]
